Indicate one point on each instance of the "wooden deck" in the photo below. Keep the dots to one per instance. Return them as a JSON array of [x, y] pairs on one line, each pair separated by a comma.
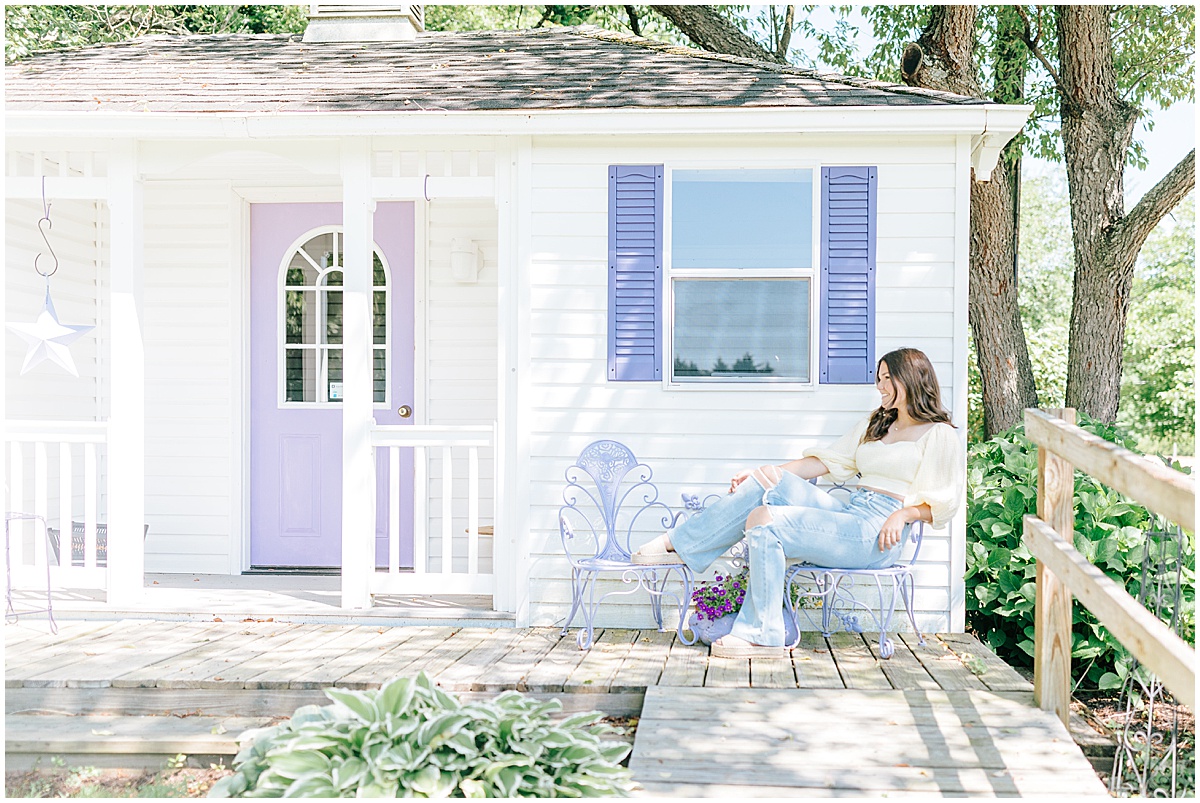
[[832, 701]]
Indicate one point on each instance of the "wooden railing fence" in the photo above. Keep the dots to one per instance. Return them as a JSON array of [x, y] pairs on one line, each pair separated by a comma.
[[1062, 572]]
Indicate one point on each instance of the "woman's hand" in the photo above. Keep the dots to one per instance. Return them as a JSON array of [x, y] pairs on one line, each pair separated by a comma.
[[739, 478], [892, 531]]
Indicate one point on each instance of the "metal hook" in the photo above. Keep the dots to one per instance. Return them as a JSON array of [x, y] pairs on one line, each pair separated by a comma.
[[426, 188], [49, 225]]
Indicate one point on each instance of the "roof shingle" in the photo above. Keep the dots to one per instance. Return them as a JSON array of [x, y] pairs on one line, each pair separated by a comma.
[[524, 70]]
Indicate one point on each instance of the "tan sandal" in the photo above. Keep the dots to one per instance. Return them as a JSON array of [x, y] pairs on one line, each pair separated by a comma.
[[656, 553], [721, 650]]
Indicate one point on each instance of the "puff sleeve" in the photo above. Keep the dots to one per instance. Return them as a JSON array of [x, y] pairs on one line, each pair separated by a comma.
[[839, 457], [941, 475]]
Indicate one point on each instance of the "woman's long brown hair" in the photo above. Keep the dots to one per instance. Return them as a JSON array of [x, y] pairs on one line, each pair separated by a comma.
[[923, 397]]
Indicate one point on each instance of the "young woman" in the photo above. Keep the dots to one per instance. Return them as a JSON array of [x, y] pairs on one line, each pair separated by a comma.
[[912, 468]]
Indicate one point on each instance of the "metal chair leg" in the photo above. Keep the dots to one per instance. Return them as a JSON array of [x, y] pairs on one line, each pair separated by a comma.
[[576, 596]]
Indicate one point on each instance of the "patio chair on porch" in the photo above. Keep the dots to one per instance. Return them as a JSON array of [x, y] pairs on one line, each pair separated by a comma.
[[599, 520], [77, 543], [835, 588]]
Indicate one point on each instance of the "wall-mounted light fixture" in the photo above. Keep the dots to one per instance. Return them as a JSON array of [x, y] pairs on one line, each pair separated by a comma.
[[466, 260]]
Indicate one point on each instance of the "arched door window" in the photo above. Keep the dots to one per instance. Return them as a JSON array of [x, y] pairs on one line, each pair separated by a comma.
[[311, 314]]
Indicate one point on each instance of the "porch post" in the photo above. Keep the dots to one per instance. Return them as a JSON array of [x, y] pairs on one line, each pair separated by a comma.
[[127, 365], [358, 460]]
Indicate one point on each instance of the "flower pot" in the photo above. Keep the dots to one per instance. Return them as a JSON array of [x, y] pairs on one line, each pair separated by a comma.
[[708, 630]]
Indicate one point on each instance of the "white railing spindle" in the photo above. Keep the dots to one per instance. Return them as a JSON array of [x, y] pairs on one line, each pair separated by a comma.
[[473, 510], [66, 501], [393, 509], [89, 508], [41, 498], [16, 498], [447, 511], [420, 510]]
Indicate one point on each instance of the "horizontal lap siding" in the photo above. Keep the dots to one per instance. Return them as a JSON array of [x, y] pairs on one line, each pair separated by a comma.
[[461, 360], [190, 450], [695, 440]]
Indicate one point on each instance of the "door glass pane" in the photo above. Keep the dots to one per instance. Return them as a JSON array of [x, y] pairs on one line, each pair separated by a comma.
[[301, 273], [379, 317], [334, 390], [301, 375], [380, 276], [300, 316], [333, 316], [322, 250], [380, 375], [741, 330]]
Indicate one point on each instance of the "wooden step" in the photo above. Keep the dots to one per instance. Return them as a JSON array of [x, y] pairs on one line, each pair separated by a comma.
[[123, 742]]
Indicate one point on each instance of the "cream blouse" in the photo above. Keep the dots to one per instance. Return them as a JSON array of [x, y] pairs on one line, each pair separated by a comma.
[[929, 470]]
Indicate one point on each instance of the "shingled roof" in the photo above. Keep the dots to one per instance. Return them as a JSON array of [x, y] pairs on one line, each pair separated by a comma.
[[522, 70]]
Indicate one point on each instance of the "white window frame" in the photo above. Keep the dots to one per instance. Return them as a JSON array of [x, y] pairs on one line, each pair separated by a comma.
[[670, 274], [281, 344]]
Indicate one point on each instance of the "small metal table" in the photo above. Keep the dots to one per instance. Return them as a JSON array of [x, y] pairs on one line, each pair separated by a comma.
[[10, 612]]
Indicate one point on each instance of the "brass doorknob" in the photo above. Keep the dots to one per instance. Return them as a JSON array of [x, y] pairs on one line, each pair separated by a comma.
[[405, 411]]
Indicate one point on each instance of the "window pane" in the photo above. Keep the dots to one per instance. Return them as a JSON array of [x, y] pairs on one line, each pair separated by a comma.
[[323, 250], [300, 316], [380, 276], [301, 375], [380, 375], [333, 316], [334, 391], [743, 330], [741, 218], [379, 317]]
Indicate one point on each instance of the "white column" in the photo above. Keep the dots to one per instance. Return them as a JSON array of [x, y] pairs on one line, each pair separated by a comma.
[[358, 463], [126, 470]]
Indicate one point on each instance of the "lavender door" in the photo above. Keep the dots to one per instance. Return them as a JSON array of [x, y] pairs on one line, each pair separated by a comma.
[[295, 378]]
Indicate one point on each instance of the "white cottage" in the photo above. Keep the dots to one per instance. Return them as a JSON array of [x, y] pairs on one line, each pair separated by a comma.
[[359, 295]]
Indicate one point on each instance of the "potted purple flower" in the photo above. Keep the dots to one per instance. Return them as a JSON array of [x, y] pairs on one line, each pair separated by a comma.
[[718, 601]]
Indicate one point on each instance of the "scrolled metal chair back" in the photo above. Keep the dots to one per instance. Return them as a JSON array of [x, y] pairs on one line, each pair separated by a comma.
[[619, 484]]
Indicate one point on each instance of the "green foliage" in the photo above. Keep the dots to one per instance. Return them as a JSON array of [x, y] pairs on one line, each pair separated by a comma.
[[1110, 531], [1158, 387], [411, 739], [31, 28]]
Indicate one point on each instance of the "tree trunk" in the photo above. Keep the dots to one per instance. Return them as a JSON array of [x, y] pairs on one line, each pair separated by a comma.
[[1097, 131], [941, 59], [708, 28]]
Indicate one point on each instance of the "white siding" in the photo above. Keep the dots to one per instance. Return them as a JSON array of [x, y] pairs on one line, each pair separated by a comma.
[[189, 376], [460, 359], [697, 439]]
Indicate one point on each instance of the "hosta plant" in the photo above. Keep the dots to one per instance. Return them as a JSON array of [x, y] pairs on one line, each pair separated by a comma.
[[411, 739]]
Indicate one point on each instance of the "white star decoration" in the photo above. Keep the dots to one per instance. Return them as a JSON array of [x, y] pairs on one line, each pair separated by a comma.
[[48, 339]]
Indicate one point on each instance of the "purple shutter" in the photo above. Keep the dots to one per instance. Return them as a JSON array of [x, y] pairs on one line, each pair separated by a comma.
[[635, 271], [848, 275]]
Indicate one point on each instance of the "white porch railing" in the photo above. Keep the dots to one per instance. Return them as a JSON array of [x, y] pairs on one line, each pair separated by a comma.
[[460, 568], [53, 470]]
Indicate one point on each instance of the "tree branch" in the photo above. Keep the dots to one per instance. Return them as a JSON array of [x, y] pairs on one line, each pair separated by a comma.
[[709, 29], [1036, 50], [785, 36], [1134, 228], [635, 24]]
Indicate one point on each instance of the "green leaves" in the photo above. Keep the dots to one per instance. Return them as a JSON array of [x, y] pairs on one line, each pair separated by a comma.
[[1110, 530], [411, 739]]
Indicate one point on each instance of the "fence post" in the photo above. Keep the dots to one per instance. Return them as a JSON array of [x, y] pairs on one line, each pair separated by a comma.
[[1052, 611]]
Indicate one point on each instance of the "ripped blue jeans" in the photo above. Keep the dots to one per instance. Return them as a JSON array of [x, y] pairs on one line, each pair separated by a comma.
[[806, 523]]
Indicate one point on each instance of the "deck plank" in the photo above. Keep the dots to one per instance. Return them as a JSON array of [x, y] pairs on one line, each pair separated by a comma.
[[903, 670], [599, 667], [727, 673], [772, 673], [16, 661], [814, 665], [199, 661], [400, 659], [942, 664], [466, 674], [645, 663], [358, 648], [511, 670], [857, 666], [857, 741], [997, 675], [318, 646], [439, 662], [687, 664], [107, 650], [550, 673]]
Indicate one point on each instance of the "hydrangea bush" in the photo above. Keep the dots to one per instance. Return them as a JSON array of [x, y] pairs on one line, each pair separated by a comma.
[[411, 739]]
